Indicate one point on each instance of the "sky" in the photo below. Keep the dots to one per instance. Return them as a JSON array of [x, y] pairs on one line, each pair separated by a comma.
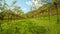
[[24, 4]]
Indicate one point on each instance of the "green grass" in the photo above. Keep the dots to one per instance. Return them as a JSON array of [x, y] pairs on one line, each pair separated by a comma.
[[30, 26]]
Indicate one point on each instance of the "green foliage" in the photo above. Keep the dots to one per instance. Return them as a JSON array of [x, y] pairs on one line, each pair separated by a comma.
[[22, 27], [31, 26]]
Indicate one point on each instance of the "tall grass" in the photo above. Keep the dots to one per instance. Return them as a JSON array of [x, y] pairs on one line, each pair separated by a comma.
[[30, 26]]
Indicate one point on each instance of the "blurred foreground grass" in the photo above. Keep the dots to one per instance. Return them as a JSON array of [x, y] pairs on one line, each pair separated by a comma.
[[30, 26]]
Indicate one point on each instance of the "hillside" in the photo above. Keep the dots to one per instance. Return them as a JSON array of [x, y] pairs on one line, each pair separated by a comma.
[[48, 9]]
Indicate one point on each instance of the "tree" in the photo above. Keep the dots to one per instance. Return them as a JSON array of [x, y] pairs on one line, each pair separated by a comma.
[[55, 2], [14, 12], [35, 4]]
